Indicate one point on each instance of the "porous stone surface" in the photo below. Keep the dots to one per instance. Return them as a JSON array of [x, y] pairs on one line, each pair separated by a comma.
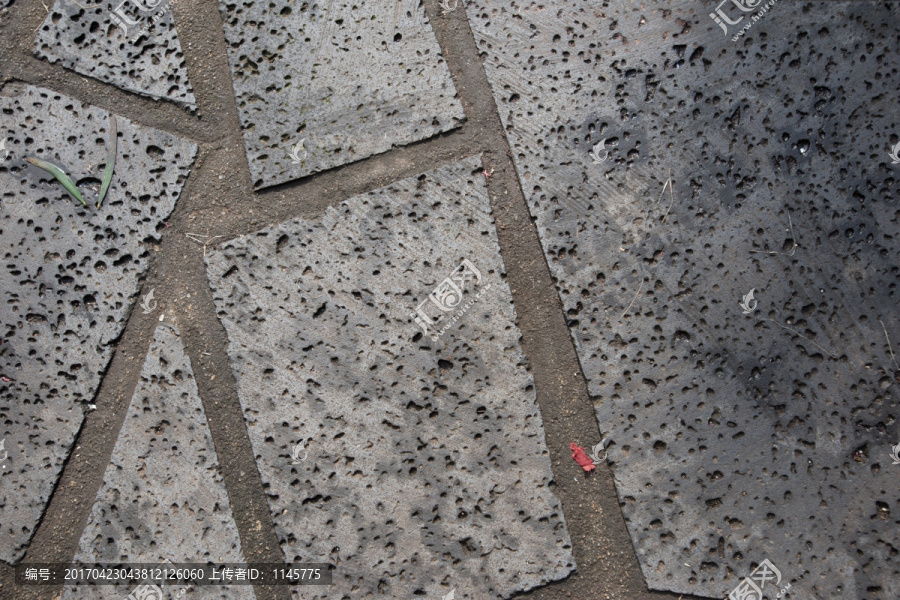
[[71, 277], [162, 498], [143, 56], [347, 79], [421, 465], [733, 438]]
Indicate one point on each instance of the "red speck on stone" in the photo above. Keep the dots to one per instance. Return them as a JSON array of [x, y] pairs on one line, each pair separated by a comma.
[[6, 379], [581, 458]]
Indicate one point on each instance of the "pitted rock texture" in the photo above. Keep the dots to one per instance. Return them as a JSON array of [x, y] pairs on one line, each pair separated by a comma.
[[162, 498], [143, 55], [733, 439], [72, 276], [347, 79], [427, 468]]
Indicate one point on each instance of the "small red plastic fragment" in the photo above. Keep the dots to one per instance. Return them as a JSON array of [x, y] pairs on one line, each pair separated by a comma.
[[581, 458]]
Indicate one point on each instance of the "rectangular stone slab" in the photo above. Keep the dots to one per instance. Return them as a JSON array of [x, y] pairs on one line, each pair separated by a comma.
[[347, 79], [163, 498], [732, 439], [422, 465], [71, 277]]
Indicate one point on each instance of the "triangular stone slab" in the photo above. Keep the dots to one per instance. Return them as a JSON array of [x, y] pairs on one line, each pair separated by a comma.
[[163, 497]]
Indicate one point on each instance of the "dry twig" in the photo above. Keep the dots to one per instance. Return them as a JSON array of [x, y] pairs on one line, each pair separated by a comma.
[[890, 348], [793, 239], [205, 243], [635, 298], [805, 338], [671, 195]]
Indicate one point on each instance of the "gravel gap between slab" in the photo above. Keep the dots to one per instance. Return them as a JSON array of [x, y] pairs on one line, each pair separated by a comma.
[[607, 564]]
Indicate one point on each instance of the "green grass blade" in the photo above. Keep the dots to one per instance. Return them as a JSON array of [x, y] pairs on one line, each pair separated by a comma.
[[60, 176], [110, 158]]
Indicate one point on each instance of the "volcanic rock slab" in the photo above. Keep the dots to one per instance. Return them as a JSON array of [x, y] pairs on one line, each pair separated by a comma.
[[416, 466], [71, 276], [736, 435], [347, 79], [163, 498], [142, 55]]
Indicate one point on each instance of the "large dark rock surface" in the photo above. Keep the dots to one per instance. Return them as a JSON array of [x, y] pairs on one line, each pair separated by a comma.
[[734, 437]]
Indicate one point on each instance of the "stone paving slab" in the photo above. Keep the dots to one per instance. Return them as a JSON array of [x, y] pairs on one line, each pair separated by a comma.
[[142, 55], [421, 465], [347, 79], [72, 276], [733, 439], [162, 498]]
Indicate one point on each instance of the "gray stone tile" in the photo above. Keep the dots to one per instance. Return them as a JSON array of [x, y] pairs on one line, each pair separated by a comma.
[[163, 498], [427, 468], [732, 439], [352, 79], [143, 55], [71, 278]]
